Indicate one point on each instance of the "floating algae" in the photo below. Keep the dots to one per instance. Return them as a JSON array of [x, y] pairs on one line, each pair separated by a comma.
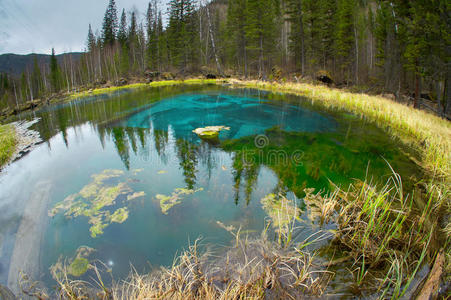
[[281, 211], [94, 199], [167, 202], [136, 195]]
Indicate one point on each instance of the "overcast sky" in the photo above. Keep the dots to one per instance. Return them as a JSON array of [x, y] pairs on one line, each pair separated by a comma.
[[35, 26]]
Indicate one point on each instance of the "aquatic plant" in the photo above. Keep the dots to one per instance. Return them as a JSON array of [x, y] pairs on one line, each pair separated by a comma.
[[8, 142], [167, 202], [94, 199]]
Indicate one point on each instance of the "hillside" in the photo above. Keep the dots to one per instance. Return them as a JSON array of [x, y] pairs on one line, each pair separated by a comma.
[[15, 64]]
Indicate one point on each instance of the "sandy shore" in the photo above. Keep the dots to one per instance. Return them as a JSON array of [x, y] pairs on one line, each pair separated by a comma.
[[27, 247]]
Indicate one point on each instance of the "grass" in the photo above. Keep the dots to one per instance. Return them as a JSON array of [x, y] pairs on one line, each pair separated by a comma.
[[100, 91], [381, 231], [250, 269], [8, 142]]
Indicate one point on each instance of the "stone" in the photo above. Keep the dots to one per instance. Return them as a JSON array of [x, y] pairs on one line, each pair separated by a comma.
[[209, 131]]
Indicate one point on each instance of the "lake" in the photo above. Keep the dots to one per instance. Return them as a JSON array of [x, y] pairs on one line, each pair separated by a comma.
[[125, 175]]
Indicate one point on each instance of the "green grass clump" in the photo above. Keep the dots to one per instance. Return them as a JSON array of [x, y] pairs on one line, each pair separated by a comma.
[[8, 143]]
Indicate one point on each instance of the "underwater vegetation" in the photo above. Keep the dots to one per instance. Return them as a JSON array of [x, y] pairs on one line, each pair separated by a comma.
[[75, 266], [96, 199], [167, 202]]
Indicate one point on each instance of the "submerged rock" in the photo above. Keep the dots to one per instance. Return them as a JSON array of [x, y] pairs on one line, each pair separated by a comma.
[[209, 132], [78, 267]]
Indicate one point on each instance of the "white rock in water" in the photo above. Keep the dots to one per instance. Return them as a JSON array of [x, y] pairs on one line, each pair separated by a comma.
[[209, 131]]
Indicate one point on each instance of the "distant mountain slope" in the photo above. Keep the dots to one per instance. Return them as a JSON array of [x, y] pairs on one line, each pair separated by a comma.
[[15, 64]]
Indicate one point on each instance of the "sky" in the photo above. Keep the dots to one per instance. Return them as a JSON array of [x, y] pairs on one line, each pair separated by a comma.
[[35, 26]]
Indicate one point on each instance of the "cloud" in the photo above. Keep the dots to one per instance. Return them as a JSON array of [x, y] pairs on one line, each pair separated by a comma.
[[38, 25]]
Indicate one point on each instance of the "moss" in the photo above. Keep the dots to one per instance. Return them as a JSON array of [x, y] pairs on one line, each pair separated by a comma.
[[8, 143], [78, 267]]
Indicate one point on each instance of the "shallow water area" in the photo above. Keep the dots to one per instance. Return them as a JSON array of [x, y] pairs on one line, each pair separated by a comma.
[[125, 175]]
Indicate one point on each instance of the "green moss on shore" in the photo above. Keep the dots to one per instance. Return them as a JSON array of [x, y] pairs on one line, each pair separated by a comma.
[[8, 143]]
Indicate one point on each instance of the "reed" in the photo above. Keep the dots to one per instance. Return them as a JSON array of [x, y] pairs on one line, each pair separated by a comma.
[[381, 231]]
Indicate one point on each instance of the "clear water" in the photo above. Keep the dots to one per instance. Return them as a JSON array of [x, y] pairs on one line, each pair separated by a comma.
[[147, 134]]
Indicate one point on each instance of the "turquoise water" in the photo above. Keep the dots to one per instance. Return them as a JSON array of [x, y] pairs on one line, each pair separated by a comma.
[[146, 137]]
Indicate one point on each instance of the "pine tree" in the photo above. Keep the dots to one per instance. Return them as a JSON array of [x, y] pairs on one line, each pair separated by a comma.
[[152, 37], [182, 32], [295, 14], [236, 32], [344, 37], [133, 40], [122, 33], [326, 26], [36, 79], [261, 30], [55, 74], [91, 40], [109, 28]]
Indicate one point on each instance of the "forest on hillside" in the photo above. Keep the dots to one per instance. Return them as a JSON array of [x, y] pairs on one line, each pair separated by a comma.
[[400, 47]]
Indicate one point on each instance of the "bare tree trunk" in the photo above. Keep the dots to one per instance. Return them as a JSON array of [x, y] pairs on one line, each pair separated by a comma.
[[356, 56], [213, 45], [447, 92], [301, 32], [260, 59]]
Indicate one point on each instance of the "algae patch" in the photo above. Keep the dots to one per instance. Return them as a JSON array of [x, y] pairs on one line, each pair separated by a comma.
[[167, 202], [97, 199]]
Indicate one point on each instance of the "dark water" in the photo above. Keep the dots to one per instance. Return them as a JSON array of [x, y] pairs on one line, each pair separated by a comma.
[[145, 139]]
